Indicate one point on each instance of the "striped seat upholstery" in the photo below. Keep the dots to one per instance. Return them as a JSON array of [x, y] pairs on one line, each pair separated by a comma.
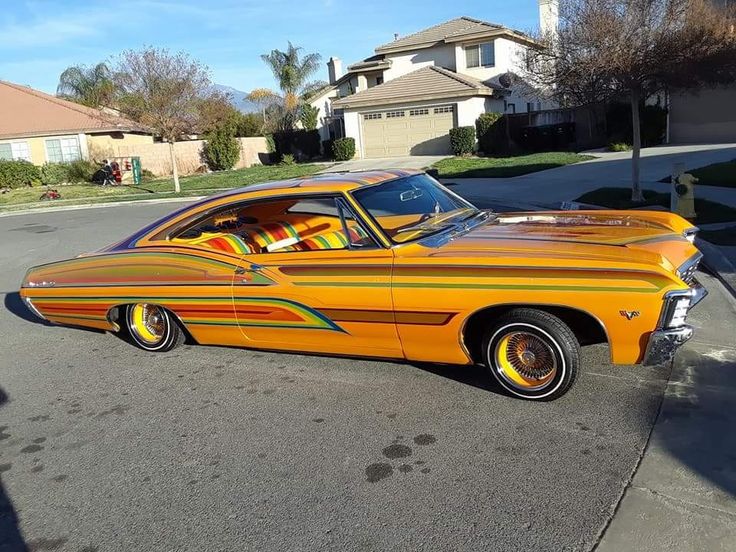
[[273, 232], [230, 243], [331, 240]]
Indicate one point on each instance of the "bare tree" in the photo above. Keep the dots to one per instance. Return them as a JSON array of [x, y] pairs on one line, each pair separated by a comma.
[[163, 91], [636, 48]]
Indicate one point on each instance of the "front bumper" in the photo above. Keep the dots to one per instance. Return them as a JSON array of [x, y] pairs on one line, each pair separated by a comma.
[[664, 343]]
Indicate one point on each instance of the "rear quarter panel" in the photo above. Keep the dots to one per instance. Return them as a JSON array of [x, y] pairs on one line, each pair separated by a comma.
[[189, 282]]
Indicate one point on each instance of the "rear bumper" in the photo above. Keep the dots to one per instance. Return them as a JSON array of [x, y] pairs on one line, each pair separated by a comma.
[[664, 343]]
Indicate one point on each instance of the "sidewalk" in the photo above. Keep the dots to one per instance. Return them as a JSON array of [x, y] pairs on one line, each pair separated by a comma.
[[609, 169], [682, 494]]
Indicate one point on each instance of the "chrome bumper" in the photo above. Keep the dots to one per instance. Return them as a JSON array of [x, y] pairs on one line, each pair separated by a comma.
[[699, 293], [664, 343]]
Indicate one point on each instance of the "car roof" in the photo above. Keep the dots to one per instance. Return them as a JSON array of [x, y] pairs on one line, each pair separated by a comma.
[[327, 182]]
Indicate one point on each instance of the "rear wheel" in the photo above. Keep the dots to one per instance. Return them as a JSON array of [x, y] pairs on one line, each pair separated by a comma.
[[532, 354], [152, 327]]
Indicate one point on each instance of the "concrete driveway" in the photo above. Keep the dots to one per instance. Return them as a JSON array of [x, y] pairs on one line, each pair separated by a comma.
[[609, 169], [408, 162]]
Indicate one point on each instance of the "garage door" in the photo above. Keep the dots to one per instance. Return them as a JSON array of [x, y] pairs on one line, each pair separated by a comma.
[[414, 131]]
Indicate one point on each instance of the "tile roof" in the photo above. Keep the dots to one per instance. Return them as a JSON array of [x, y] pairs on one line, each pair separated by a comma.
[[28, 112], [445, 32], [427, 83]]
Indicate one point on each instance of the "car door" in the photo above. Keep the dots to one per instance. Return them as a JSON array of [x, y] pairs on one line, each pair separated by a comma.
[[333, 300]]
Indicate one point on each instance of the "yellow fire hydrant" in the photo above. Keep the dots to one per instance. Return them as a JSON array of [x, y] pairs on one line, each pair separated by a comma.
[[682, 198]]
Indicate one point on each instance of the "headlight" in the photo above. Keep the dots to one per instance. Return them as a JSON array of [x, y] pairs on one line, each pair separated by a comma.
[[675, 311]]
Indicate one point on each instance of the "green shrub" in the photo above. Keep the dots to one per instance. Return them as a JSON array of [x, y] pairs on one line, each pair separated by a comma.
[[270, 144], [308, 115], [146, 175], [619, 146], [16, 174], [287, 159], [653, 122], [489, 132], [249, 124], [462, 140], [343, 149], [221, 150], [302, 144], [80, 171], [53, 174]]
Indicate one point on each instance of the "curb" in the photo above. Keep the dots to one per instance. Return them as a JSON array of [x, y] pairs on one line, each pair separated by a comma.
[[100, 205], [718, 264]]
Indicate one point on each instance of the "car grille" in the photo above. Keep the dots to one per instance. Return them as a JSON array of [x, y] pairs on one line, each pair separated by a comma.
[[687, 270]]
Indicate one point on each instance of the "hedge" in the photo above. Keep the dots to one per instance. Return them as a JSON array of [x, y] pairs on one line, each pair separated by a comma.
[[343, 149], [16, 174], [489, 130], [462, 140]]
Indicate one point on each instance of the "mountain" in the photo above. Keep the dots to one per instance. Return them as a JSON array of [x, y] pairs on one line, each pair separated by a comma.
[[237, 97]]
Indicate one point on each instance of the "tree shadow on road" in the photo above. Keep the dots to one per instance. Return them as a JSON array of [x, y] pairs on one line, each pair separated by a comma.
[[14, 303]]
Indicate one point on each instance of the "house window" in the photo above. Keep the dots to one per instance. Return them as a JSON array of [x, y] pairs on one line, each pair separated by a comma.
[[369, 116], [480, 55], [415, 112], [63, 150], [511, 108], [443, 109], [392, 114], [379, 80], [10, 151]]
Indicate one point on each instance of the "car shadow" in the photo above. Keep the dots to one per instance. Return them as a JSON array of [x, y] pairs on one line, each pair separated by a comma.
[[475, 375], [11, 538], [14, 303]]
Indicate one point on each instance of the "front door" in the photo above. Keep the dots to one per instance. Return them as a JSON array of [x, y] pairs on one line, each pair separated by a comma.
[[323, 294]]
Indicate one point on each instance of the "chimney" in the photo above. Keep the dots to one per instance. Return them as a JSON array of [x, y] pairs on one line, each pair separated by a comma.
[[334, 69], [396, 36], [549, 16]]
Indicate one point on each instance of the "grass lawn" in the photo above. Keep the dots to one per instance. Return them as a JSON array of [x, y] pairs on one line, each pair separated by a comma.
[[504, 167], [201, 184], [620, 198], [717, 174]]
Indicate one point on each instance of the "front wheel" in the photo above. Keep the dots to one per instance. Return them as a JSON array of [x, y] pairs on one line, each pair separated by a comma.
[[152, 327], [532, 354]]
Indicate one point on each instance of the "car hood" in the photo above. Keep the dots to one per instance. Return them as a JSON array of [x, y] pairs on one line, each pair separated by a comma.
[[596, 236]]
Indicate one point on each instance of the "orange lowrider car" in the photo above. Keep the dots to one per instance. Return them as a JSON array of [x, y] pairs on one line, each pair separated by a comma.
[[390, 264]]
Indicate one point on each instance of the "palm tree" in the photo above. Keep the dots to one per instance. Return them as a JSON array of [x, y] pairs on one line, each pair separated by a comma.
[[91, 86], [292, 71]]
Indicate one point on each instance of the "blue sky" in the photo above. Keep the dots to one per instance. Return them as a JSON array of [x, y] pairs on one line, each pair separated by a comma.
[[40, 38]]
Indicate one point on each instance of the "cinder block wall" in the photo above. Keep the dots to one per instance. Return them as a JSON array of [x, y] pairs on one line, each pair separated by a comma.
[[189, 159]]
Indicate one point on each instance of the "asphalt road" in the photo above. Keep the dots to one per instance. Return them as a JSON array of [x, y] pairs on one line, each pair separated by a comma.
[[105, 447]]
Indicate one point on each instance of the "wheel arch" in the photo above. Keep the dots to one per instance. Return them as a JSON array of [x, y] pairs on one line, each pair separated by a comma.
[[588, 328], [116, 313]]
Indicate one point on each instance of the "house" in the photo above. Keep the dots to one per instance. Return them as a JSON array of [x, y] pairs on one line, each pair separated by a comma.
[[41, 128], [404, 99]]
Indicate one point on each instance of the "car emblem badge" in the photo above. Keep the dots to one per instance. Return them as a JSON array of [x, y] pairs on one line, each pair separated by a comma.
[[629, 314]]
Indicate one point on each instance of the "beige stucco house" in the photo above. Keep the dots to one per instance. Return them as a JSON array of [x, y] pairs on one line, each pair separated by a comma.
[[406, 98], [41, 128]]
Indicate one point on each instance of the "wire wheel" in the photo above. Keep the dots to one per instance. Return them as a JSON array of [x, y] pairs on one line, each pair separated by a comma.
[[525, 360], [149, 323]]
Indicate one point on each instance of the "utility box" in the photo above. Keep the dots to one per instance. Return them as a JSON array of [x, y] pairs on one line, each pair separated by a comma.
[[682, 194], [136, 166]]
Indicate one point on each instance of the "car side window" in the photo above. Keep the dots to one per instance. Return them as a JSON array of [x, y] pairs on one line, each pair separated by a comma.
[[279, 226]]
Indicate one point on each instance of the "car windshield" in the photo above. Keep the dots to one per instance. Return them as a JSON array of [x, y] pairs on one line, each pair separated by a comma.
[[413, 207]]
